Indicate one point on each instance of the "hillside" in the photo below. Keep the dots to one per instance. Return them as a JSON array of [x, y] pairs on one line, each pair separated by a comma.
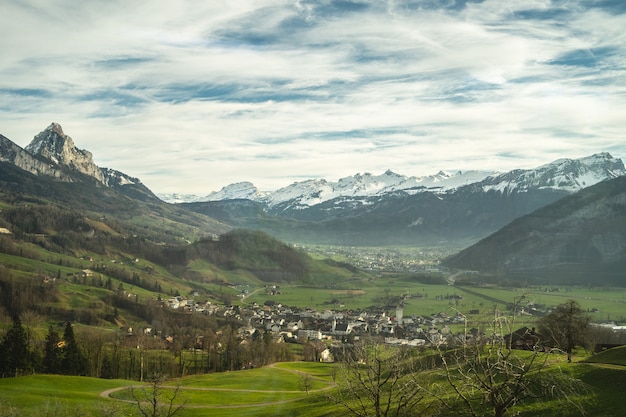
[[580, 239], [68, 265], [77, 242]]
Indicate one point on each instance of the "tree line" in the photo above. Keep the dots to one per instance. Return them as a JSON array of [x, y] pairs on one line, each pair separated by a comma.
[[180, 345], [59, 355]]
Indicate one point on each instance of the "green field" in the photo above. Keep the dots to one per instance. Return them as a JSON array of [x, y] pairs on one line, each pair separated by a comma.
[[271, 391], [265, 391], [421, 299]]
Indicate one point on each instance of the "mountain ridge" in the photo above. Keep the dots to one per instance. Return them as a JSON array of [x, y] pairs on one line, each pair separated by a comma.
[[373, 210], [321, 190], [566, 174]]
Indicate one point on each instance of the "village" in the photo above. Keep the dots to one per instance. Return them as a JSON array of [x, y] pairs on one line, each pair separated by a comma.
[[330, 329]]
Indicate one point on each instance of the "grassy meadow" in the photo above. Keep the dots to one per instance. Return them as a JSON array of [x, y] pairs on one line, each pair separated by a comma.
[[603, 304], [270, 391]]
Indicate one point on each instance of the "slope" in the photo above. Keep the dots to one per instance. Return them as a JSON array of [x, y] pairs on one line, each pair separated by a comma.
[[579, 239]]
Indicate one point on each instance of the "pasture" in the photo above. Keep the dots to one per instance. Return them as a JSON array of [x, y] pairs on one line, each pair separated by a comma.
[[602, 303], [270, 391], [273, 390]]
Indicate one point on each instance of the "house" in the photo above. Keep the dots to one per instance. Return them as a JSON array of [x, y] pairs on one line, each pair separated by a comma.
[[340, 329], [523, 338], [309, 334], [326, 356]]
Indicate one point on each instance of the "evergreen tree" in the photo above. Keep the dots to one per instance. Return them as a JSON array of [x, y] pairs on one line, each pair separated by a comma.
[[52, 353], [14, 353], [107, 368], [72, 362]]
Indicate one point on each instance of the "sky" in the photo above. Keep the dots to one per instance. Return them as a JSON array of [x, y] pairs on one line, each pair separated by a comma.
[[190, 96]]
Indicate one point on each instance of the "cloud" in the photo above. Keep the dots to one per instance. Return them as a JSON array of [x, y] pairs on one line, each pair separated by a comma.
[[191, 96]]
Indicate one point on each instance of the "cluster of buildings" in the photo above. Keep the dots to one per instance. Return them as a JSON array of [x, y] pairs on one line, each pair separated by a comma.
[[290, 324], [387, 259]]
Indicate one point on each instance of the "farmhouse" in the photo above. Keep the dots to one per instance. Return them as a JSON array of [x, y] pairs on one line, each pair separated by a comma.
[[523, 338]]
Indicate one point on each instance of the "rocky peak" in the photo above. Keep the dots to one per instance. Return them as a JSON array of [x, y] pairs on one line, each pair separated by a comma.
[[58, 147]]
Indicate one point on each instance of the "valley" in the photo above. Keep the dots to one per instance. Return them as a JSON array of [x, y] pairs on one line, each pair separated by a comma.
[[101, 279]]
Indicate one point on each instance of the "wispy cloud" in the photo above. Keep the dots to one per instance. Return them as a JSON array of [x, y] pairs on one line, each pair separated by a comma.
[[192, 96]]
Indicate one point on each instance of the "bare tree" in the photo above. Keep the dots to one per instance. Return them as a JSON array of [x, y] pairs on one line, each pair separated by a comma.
[[306, 382], [489, 376], [158, 400], [378, 380]]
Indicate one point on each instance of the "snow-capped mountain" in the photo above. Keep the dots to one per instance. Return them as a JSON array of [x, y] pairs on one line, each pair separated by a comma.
[[569, 175], [442, 209], [312, 192], [315, 191], [578, 239], [240, 190]]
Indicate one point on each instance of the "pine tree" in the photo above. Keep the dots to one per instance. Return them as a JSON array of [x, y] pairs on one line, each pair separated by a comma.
[[72, 362], [14, 353], [52, 353], [107, 368]]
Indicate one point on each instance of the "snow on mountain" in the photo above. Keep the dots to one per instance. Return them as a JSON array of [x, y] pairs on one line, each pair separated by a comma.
[[311, 192], [177, 198], [114, 177], [316, 191], [241, 190], [569, 175]]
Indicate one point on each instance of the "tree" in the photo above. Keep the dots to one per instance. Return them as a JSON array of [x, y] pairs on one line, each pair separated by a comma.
[[489, 376], [72, 360], [52, 353], [156, 400], [377, 380], [306, 383], [566, 327], [14, 352]]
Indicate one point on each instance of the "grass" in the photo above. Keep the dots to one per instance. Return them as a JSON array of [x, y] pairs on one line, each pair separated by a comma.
[[262, 391], [614, 356], [423, 299], [270, 391], [36, 394]]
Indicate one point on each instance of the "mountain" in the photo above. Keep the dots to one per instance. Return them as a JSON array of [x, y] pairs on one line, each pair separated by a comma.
[[570, 175], [444, 209], [316, 191], [580, 239], [52, 170], [54, 145], [14, 155]]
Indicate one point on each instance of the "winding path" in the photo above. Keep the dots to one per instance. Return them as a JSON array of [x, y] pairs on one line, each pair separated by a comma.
[[107, 393]]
